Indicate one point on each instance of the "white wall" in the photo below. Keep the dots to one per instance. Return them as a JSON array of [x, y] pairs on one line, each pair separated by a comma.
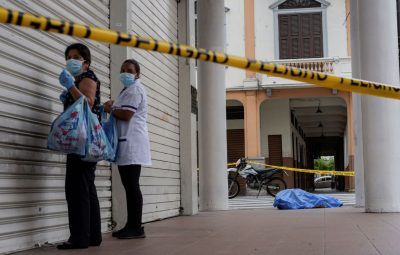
[[235, 41], [337, 33], [264, 29], [187, 120], [275, 120]]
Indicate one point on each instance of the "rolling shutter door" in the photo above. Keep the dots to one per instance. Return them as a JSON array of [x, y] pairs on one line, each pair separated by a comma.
[[159, 74], [32, 201]]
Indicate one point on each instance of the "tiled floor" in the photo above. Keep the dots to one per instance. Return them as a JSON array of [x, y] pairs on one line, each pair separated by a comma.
[[340, 231]]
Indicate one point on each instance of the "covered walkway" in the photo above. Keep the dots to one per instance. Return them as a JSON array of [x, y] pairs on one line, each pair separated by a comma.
[[345, 230]]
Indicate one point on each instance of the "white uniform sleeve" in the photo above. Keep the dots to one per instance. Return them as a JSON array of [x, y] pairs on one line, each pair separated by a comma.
[[131, 101]]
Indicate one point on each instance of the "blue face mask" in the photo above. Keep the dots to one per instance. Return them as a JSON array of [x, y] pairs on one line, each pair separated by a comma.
[[74, 67], [127, 79]]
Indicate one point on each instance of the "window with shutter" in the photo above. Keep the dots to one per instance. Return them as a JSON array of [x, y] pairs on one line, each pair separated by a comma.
[[317, 35], [284, 36], [300, 35]]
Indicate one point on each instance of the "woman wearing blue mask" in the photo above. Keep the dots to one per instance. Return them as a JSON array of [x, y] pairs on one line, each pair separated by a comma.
[[80, 191], [130, 110]]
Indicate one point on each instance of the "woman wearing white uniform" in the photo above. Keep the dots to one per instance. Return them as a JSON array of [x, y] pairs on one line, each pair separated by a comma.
[[130, 110]]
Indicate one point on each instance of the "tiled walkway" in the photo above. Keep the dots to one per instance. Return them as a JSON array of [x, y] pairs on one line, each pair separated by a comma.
[[338, 231]]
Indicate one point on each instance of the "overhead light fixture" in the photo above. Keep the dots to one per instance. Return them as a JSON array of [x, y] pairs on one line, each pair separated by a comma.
[[320, 124], [319, 109], [269, 92]]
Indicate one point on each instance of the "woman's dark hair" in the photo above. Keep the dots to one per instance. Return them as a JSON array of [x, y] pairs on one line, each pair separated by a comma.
[[83, 51], [135, 64]]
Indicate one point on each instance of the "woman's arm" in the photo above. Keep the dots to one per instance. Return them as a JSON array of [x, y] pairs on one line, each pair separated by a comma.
[[124, 115], [87, 87], [120, 114]]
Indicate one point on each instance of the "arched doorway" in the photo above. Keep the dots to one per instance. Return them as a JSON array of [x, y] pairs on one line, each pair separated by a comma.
[[322, 123]]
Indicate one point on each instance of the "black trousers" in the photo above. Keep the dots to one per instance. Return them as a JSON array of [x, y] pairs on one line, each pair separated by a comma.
[[130, 175], [83, 204]]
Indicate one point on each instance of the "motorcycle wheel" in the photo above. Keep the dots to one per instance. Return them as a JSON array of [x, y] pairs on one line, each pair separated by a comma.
[[233, 188], [274, 185]]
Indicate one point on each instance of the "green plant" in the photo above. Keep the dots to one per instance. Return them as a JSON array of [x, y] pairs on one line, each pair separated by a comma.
[[324, 163]]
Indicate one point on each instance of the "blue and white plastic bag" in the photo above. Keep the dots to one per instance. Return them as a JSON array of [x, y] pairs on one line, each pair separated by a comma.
[[110, 128], [97, 145], [68, 133]]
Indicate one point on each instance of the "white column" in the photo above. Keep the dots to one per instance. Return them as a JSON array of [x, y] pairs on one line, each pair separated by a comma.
[[356, 107], [187, 120], [212, 112], [380, 118], [120, 21]]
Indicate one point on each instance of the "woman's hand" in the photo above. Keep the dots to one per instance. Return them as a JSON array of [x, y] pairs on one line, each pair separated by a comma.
[[66, 79], [108, 106], [63, 96]]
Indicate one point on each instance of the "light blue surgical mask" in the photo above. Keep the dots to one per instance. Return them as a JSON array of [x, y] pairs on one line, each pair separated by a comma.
[[74, 67], [127, 79]]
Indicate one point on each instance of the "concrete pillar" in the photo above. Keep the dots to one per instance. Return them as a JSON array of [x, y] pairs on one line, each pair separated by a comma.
[[252, 125], [187, 120], [380, 118], [119, 20], [212, 109], [356, 109]]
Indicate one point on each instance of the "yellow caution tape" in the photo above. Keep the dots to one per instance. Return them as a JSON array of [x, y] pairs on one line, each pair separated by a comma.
[[146, 43], [309, 171]]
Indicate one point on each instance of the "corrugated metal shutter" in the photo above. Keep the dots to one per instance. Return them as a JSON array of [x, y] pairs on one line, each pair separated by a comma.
[[235, 144], [159, 73], [32, 200]]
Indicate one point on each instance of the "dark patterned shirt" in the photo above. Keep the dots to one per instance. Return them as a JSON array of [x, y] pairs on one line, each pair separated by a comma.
[[96, 106]]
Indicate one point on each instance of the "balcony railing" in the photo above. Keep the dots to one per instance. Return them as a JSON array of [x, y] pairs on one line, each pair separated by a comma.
[[325, 65], [337, 66]]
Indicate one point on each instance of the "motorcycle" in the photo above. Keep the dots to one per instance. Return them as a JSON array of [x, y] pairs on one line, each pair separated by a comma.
[[268, 178]]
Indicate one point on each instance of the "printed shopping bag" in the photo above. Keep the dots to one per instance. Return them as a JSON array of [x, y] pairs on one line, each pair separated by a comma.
[[68, 132], [97, 145]]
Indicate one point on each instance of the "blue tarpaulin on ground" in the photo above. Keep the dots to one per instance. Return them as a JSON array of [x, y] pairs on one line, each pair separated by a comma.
[[300, 199]]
